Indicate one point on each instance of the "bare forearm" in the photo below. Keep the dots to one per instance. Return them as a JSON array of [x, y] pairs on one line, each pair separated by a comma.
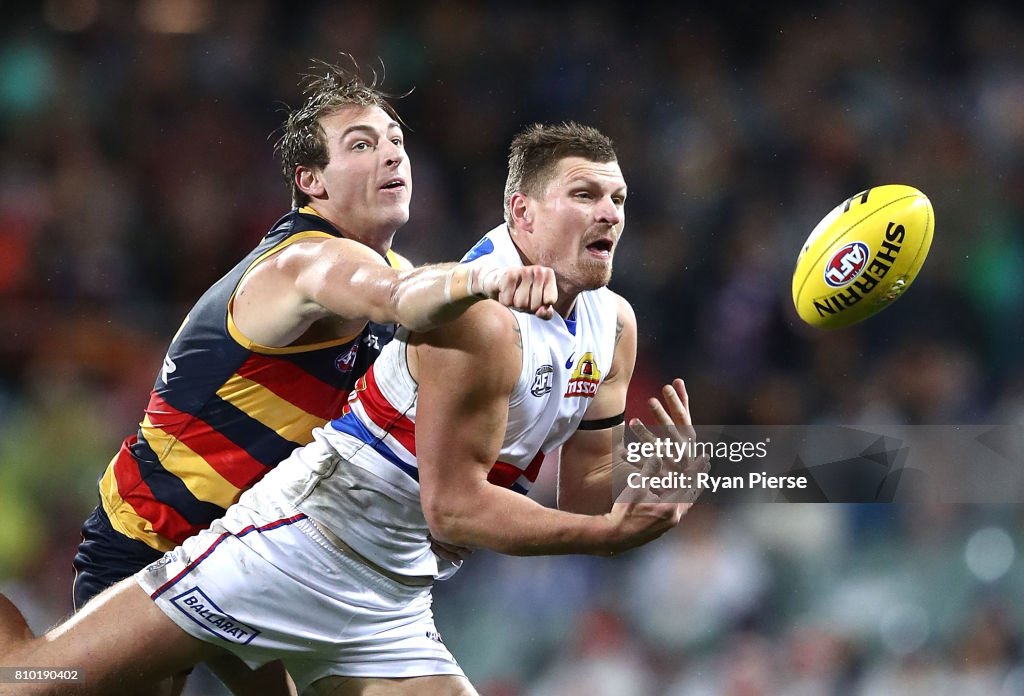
[[501, 520], [592, 473], [427, 297]]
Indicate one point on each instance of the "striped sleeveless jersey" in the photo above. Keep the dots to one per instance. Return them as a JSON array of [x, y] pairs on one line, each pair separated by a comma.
[[224, 410]]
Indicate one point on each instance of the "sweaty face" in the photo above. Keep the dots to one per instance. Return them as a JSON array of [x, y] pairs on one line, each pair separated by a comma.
[[577, 220], [368, 177]]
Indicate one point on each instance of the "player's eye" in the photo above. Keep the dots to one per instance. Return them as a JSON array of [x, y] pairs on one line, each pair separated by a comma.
[[397, 142], [361, 145]]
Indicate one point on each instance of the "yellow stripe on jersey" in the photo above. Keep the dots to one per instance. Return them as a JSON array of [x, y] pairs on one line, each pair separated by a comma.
[[201, 479], [123, 517], [259, 403], [398, 261], [243, 341]]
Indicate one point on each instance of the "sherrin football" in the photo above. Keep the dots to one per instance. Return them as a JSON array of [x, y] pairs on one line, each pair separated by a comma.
[[862, 256]]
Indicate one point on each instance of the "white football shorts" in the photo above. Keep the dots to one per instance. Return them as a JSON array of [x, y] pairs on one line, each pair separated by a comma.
[[269, 585]]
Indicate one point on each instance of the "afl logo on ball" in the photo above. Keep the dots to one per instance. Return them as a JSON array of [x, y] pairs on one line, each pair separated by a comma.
[[846, 264]]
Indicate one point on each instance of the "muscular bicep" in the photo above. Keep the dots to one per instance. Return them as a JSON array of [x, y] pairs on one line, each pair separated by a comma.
[[466, 372], [458, 431], [282, 296], [588, 457], [341, 277]]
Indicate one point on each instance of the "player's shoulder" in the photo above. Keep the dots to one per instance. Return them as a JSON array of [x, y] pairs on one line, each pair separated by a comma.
[[485, 329], [488, 323], [314, 247], [612, 302], [485, 342]]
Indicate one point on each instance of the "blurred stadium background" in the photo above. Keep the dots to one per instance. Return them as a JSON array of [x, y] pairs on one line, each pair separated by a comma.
[[136, 166]]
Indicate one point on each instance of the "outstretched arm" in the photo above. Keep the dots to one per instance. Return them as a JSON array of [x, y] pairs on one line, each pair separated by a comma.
[[317, 278], [592, 462], [466, 372]]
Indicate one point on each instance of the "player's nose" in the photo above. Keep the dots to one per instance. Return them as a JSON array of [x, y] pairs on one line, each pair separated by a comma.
[[608, 212], [394, 155]]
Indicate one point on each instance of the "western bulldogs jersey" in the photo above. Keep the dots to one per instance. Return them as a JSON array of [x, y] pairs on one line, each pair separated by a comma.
[[225, 410], [365, 481]]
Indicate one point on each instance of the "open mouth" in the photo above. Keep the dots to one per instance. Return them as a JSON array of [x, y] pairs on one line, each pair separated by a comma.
[[394, 184], [601, 247]]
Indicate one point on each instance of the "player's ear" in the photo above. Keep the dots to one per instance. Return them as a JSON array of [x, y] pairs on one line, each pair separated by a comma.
[[309, 182], [520, 210]]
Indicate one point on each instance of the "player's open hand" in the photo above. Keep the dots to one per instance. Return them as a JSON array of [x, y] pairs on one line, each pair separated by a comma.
[[639, 516], [524, 288], [674, 422]]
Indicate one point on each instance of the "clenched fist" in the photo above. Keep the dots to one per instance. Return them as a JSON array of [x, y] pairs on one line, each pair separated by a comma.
[[525, 288]]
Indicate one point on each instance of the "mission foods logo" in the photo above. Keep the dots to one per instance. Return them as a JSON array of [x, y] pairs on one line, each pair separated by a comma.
[[585, 378], [202, 610]]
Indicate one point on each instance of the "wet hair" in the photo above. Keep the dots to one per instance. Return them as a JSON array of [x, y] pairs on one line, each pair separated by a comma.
[[327, 88], [537, 150]]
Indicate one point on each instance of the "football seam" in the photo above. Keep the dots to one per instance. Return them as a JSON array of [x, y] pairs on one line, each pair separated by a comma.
[[803, 283], [925, 237]]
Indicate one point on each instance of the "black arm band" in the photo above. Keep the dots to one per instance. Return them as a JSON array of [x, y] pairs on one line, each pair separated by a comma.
[[603, 423]]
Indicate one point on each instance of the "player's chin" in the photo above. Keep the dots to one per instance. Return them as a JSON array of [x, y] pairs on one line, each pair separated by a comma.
[[595, 273], [395, 217]]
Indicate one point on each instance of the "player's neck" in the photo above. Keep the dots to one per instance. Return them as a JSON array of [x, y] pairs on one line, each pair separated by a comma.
[[566, 302], [566, 296], [379, 241], [377, 238]]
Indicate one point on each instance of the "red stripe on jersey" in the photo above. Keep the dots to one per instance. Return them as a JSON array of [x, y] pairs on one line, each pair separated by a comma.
[[385, 416], [229, 460], [293, 384], [534, 468], [133, 490], [504, 474]]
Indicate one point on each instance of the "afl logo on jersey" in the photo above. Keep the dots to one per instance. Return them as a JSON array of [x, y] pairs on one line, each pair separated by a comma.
[[846, 264], [346, 361], [585, 378], [543, 380]]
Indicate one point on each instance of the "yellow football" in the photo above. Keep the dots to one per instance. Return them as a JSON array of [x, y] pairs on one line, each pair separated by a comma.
[[862, 256]]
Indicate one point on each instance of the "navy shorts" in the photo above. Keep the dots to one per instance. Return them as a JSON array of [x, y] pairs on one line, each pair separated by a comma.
[[105, 557]]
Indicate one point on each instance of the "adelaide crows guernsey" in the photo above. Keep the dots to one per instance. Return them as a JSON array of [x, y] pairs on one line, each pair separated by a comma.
[[224, 410], [360, 478]]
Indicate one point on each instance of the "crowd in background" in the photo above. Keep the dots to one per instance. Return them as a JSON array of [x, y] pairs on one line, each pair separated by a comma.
[[136, 167]]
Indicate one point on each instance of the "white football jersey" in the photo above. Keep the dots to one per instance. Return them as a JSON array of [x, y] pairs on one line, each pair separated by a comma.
[[361, 469]]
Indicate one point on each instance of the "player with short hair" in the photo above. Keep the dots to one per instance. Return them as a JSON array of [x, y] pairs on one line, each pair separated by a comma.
[[273, 348], [327, 562]]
